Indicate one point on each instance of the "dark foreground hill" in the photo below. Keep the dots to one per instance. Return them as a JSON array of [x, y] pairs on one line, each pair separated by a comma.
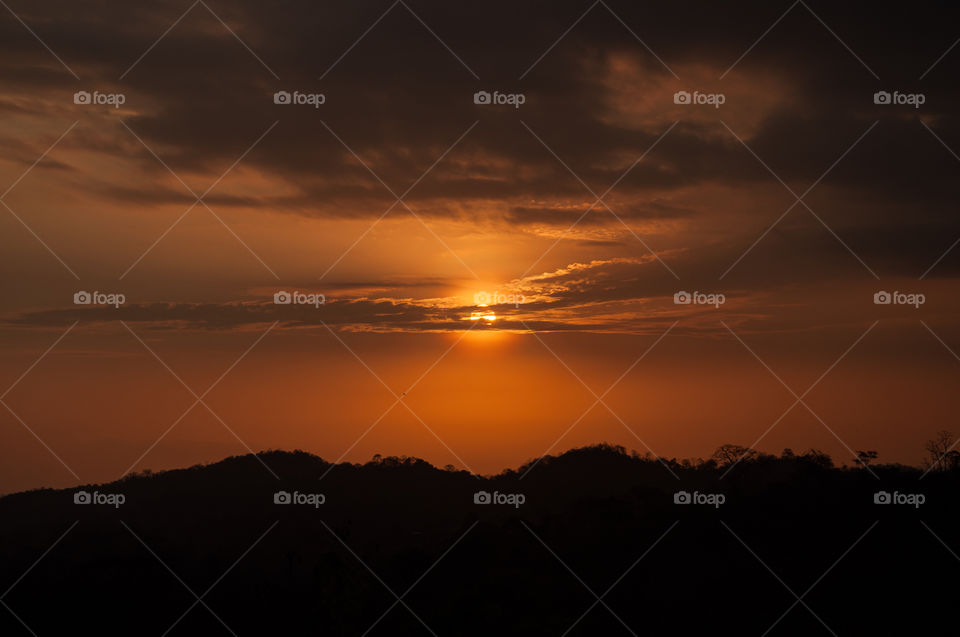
[[594, 542]]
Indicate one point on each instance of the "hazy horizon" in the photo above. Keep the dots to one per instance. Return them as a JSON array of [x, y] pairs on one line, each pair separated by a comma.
[[411, 230]]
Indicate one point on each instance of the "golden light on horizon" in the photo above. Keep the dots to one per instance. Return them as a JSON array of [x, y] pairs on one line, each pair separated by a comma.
[[485, 315]]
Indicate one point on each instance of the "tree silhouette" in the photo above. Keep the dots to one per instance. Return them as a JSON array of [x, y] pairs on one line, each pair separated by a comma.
[[726, 455], [940, 453]]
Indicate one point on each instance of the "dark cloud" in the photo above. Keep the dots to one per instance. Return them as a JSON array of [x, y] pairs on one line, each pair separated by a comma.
[[599, 99]]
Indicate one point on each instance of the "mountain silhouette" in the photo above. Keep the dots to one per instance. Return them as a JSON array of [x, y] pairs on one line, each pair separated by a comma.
[[596, 541]]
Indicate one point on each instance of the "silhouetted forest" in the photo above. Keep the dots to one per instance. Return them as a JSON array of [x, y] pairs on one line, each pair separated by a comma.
[[327, 550]]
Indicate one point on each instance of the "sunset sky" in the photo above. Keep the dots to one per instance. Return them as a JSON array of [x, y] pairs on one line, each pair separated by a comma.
[[577, 215]]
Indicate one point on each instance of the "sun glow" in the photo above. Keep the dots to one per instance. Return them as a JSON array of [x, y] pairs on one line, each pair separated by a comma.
[[483, 314]]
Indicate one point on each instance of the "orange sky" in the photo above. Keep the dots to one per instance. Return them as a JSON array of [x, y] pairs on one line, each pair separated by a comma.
[[399, 199]]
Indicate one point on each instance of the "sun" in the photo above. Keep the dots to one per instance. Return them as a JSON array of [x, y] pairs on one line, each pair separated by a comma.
[[483, 314]]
